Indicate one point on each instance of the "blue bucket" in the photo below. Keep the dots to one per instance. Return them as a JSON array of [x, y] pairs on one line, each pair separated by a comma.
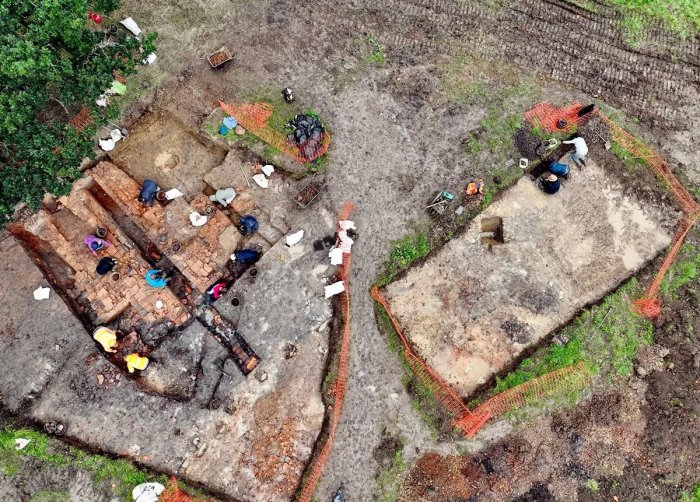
[[223, 130]]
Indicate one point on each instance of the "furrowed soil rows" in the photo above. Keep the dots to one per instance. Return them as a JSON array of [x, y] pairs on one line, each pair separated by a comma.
[[558, 39]]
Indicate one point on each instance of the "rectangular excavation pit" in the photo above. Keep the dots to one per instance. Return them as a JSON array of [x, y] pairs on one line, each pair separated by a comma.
[[162, 149], [471, 312]]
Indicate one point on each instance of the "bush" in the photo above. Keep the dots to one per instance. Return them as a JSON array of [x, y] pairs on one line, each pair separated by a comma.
[[51, 65]]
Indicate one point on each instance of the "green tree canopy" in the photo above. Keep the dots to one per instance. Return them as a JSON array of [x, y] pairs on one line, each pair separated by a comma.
[[54, 61]]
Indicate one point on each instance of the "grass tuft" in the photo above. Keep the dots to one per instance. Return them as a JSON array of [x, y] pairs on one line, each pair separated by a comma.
[[377, 51], [694, 496], [684, 271], [389, 480]]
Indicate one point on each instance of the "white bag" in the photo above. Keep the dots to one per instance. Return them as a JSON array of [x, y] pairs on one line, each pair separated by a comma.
[[131, 25], [261, 180], [197, 219], [334, 289]]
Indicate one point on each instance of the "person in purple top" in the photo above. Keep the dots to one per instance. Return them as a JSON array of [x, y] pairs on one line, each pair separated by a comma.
[[94, 243]]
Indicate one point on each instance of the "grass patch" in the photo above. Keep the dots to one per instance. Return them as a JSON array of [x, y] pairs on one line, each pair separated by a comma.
[[683, 271], [282, 112], [403, 253], [505, 92], [605, 337], [50, 496], [586, 4], [592, 485], [376, 54], [628, 159], [680, 17], [409, 249], [694, 496], [122, 473], [389, 480]]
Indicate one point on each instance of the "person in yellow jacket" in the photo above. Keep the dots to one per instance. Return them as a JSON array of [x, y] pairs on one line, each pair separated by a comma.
[[105, 337], [135, 362]]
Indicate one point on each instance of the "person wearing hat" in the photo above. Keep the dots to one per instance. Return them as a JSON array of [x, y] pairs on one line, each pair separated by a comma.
[[550, 184], [94, 243]]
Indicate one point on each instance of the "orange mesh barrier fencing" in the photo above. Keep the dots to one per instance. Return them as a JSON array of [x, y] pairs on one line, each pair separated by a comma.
[[650, 305], [570, 378], [254, 118], [443, 391], [173, 493], [547, 117], [339, 387], [657, 164]]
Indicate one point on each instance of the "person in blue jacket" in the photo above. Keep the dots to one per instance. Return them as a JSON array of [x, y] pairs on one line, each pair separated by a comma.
[[148, 192], [246, 256], [248, 225], [157, 278], [561, 170]]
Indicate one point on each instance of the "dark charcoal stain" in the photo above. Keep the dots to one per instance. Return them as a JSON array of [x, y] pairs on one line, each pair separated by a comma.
[[517, 331], [538, 301], [386, 450], [538, 493]]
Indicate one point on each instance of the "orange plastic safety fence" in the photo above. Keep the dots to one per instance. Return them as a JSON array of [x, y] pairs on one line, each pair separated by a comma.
[[570, 378], [173, 493], [657, 164], [547, 117], [442, 390], [650, 305], [254, 118], [316, 469]]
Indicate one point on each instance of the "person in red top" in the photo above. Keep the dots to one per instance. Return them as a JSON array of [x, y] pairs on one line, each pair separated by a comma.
[[214, 293]]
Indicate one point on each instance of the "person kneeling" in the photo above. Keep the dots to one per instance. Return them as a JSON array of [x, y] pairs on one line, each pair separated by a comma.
[[550, 184], [560, 170]]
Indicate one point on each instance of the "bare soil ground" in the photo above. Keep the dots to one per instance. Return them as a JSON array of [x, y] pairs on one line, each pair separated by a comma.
[[470, 310], [398, 138], [635, 439]]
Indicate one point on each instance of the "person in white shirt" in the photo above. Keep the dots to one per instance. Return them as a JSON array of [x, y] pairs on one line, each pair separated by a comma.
[[579, 155], [224, 196]]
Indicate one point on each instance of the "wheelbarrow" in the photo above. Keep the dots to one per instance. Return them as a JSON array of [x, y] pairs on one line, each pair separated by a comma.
[[440, 202], [219, 57], [308, 194]]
